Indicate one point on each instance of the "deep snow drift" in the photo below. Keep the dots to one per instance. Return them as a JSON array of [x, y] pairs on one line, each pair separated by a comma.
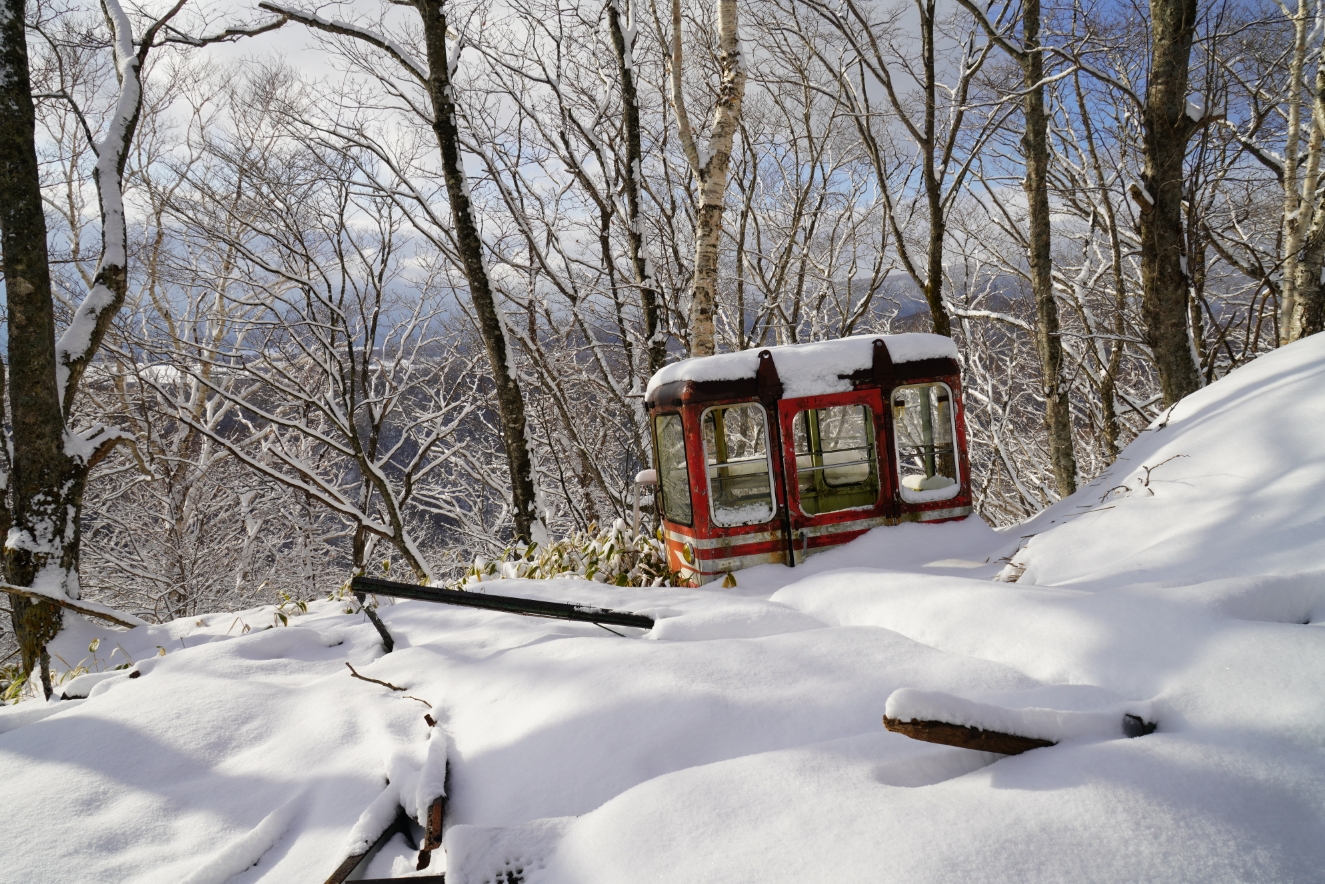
[[741, 739]]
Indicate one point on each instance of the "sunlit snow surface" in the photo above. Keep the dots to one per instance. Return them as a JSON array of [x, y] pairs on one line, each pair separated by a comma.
[[741, 739]]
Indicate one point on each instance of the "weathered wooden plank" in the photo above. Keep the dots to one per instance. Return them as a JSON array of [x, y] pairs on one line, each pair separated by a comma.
[[509, 604], [432, 832], [432, 836], [964, 737], [346, 868], [352, 862]]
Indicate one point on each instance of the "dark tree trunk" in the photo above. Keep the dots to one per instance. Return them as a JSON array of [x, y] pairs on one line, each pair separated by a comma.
[[1048, 342], [41, 470], [1109, 370], [1168, 127], [655, 341], [510, 402], [1035, 150], [933, 289]]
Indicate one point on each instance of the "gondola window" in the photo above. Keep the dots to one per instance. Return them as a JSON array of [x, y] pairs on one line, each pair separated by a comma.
[[836, 464], [739, 469], [925, 433]]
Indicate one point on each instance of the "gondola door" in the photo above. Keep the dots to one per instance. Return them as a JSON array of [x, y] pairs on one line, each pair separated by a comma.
[[834, 452]]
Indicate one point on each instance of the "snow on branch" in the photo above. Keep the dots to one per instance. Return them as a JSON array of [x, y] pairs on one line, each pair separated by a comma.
[[80, 341], [990, 314], [90, 446], [87, 608], [1263, 155], [229, 35]]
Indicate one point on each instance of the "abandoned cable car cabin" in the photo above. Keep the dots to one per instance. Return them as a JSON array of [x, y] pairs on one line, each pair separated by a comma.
[[773, 455]]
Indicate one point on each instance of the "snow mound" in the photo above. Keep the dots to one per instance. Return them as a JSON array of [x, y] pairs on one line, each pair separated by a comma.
[[247, 850], [1226, 486], [741, 738]]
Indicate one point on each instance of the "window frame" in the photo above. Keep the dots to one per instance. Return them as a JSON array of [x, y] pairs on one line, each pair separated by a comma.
[[957, 484], [685, 465], [872, 447], [768, 460]]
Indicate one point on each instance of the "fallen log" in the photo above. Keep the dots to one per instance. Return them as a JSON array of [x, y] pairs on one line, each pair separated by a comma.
[[509, 604], [936, 717], [964, 737]]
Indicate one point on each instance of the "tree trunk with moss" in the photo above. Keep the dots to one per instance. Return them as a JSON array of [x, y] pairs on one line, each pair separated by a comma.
[[51, 464], [39, 529], [1168, 126]]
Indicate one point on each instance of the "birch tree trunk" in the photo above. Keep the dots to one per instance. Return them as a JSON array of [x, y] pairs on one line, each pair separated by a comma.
[[1297, 201], [710, 168], [1305, 314], [1168, 126]]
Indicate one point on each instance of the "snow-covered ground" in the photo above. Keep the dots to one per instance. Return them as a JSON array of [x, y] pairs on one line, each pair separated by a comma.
[[741, 740]]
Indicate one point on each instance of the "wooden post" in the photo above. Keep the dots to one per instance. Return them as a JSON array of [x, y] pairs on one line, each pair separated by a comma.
[[352, 862], [388, 642]]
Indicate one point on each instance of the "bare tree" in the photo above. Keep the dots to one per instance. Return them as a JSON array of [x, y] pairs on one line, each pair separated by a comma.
[[812, 249], [1302, 297], [1035, 151], [437, 75], [339, 363], [52, 459], [931, 98], [200, 531], [622, 23]]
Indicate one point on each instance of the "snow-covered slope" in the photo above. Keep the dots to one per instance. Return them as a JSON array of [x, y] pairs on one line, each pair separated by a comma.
[[741, 739]]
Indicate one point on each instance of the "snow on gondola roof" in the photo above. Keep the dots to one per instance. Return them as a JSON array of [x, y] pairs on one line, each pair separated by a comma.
[[808, 369]]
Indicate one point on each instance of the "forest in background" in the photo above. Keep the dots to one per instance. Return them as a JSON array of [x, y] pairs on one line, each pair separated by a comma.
[[344, 294]]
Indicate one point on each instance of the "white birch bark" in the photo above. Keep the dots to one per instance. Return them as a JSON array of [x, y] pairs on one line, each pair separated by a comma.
[[1297, 201], [711, 166]]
